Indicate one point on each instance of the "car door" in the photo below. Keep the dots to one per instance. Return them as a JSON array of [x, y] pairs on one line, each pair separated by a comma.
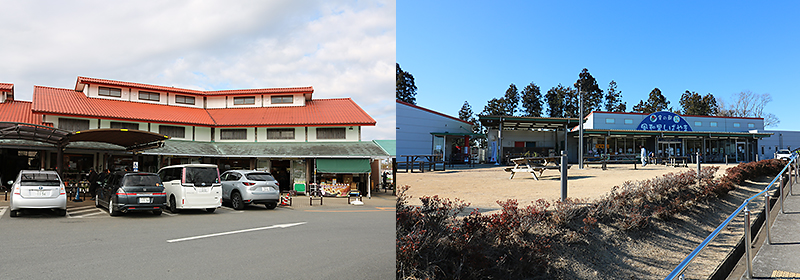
[[226, 185]]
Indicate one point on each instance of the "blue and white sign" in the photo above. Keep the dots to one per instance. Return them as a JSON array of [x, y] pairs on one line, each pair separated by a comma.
[[664, 121]]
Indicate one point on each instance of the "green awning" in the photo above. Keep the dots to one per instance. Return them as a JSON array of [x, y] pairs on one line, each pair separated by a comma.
[[343, 165]]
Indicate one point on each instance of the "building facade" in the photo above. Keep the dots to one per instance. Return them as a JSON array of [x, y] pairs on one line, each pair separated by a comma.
[[665, 134], [283, 130], [422, 131]]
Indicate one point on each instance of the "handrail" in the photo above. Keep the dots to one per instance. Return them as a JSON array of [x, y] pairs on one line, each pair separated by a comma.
[[678, 271]]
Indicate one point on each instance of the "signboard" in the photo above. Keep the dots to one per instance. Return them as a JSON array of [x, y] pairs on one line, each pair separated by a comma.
[[135, 166], [664, 121]]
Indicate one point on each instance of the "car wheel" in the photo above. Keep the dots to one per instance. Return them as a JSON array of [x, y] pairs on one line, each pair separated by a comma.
[[211, 210], [14, 213], [111, 210], [172, 206], [271, 205], [61, 212], [236, 201], [97, 201], [157, 212]]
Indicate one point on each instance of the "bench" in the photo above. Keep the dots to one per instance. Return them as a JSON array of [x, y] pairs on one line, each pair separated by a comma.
[[524, 165]]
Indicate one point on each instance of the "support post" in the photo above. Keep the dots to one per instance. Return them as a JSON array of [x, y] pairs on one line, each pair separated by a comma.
[[781, 194], [767, 224], [580, 128], [699, 168], [747, 242], [564, 176]]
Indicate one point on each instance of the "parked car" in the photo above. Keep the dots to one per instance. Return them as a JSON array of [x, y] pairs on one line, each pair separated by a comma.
[[35, 189], [192, 186], [783, 154], [242, 187], [124, 192]]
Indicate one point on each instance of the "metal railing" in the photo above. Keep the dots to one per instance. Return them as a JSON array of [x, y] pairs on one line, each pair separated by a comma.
[[681, 268]]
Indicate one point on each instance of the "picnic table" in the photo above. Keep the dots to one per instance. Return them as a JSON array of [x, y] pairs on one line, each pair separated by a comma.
[[533, 165], [431, 161]]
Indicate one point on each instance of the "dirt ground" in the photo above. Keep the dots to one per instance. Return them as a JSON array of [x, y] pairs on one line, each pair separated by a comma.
[[483, 185]]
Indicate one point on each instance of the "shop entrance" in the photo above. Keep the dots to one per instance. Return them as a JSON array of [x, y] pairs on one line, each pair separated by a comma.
[[741, 152], [670, 148], [280, 169]]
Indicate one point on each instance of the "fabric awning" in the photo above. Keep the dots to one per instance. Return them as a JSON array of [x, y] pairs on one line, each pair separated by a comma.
[[343, 165]]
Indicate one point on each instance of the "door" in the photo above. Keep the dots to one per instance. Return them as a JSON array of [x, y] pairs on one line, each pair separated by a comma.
[[281, 171], [741, 151]]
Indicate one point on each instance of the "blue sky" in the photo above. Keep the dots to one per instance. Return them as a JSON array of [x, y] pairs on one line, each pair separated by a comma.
[[472, 50]]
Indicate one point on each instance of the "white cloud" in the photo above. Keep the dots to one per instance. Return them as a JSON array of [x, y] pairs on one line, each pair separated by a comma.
[[341, 48]]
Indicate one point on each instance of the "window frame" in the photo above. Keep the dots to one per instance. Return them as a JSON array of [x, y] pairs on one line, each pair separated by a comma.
[[736, 124], [244, 100], [331, 133], [164, 129], [611, 121], [124, 125], [73, 123], [712, 124], [280, 131], [182, 99], [281, 99], [149, 95], [232, 133], [108, 91], [628, 121]]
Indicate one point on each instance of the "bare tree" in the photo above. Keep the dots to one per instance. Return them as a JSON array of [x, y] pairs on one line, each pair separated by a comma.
[[748, 104]]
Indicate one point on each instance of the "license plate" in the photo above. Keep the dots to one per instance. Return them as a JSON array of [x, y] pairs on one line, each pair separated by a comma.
[[203, 190], [266, 189], [144, 200]]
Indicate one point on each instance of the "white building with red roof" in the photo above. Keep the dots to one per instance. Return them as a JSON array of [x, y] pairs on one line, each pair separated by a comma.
[[283, 130]]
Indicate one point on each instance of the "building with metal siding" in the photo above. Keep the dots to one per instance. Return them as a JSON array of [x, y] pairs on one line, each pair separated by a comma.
[[422, 131]]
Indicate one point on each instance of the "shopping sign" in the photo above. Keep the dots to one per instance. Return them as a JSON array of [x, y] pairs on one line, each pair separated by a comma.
[[664, 121]]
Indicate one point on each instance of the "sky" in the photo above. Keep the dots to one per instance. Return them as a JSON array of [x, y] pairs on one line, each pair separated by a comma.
[[472, 51], [341, 48]]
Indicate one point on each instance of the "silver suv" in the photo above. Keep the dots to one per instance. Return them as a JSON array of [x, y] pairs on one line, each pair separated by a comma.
[[34, 189], [242, 187]]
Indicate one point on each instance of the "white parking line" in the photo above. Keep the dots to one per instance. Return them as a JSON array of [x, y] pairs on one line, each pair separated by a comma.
[[90, 214], [234, 232], [82, 207], [85, 210], [168, 213], [228, 208], [2, 211]]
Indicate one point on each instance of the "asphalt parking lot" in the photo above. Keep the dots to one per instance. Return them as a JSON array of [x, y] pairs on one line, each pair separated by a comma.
[[331, 241]]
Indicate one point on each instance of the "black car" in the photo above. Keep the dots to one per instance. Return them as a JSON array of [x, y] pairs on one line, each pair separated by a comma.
[[123, 192]]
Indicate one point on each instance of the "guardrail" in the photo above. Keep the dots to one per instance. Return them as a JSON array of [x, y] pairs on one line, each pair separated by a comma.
[[681, 268]]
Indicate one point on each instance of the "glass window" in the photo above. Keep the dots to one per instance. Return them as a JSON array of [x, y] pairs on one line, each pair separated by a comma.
[[125, 125], [73, 124], [628, 121], [736, 124], [183, 99], [610, 120], [172, 131], [233, 134], [244, 100], [280, 133], [712, 124], [201, 176], [282, 99], [113, 92], [751, 125], [331, 133], [152, 96], [260, 177], [698, 123]]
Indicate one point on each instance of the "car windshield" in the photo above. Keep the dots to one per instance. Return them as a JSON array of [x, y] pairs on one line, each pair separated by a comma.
[[260, 177], [141, 180], [39, 179], [202, 176]]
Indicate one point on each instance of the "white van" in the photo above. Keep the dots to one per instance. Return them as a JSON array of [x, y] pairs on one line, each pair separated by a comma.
[[192, 186]]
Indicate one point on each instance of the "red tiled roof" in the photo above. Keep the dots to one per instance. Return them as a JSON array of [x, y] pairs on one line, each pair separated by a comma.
[[67, 102], [84, 80], [318, 112], [6, 87], [19, 111]]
